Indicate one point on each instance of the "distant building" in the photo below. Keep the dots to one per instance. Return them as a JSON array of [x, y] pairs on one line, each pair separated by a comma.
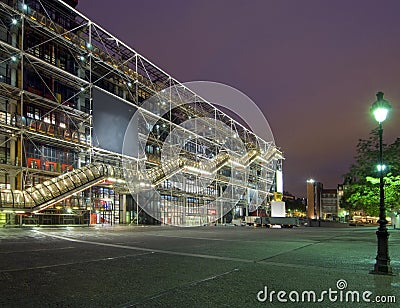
[[329, 204], [314, 189], [322, 203]]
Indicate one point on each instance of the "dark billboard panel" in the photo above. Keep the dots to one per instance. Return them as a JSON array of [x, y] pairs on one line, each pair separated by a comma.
[[111, 117]]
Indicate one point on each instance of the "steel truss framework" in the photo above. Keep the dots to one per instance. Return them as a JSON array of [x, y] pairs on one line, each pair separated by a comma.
[[52, 60]]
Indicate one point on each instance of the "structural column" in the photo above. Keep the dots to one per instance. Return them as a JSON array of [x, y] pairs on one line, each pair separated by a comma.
[[122, 204]]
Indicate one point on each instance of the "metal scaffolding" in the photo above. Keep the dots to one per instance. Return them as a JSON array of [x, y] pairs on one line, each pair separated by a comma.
[[192, 163]]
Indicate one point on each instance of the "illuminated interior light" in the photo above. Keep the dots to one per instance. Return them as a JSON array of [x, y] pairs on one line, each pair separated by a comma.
[[129, 84], [197, 170], [236, 164], [82, 58], [88, 45], [25, 7], [82, 89], [13, 58], [14, 21]]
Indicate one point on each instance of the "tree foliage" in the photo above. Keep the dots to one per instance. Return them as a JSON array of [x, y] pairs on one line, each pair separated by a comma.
[[361, 189]]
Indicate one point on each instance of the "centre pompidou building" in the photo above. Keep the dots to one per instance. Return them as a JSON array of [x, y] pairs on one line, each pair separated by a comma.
[[93, 132]]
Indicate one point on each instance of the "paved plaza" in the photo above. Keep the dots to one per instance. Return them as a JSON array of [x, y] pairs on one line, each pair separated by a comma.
[[221, 266]]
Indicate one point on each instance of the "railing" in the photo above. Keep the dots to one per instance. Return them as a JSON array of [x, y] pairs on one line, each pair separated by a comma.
[[52, 191], [43, 195], [44, 128]]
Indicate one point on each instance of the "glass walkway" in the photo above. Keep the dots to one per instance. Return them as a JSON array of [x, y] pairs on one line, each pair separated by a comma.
[[50, 192]]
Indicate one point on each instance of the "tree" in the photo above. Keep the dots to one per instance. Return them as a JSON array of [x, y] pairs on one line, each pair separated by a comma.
[[292, 203], [361, 185]]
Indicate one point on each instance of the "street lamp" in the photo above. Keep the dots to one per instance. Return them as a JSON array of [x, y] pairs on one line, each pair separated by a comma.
[[380, 109], [381, 167]]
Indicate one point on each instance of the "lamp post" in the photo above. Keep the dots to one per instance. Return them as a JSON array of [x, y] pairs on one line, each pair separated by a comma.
[[380, 109]]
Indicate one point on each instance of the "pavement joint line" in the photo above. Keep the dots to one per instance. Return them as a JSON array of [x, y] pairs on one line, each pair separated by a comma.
[[8, 243], [154, 297], [285, 252], [185, 254], [312, 267], [213, 277], [216, 239], [71, 263], [36, 250], [199, 238], [298, 248]]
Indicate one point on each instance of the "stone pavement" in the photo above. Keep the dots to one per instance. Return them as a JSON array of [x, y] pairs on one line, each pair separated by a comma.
[[220, 266]]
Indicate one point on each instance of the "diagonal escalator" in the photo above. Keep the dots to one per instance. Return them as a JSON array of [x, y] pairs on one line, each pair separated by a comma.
[[50, 192]]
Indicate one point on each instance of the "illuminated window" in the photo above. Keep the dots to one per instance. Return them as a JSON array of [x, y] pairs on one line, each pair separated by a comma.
[[49, 118]]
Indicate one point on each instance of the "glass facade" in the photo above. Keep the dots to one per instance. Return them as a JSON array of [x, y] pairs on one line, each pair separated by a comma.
[[189, 163]]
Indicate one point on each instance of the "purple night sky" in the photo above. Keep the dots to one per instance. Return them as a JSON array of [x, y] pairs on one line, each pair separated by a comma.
[[312, 66]]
